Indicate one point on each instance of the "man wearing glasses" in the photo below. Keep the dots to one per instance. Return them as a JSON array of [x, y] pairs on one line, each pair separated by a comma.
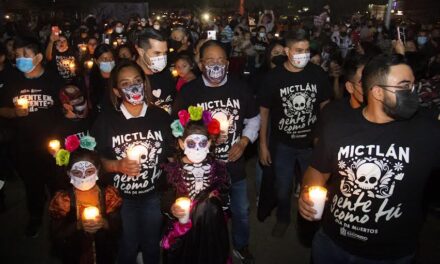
[[374, 164]]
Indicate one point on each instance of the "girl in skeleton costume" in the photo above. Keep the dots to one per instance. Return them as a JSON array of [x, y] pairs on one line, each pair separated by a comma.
[[77, 236], [202, 179]]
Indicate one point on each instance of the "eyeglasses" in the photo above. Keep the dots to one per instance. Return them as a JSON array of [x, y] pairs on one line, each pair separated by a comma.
[[211, 62], [409, 87]]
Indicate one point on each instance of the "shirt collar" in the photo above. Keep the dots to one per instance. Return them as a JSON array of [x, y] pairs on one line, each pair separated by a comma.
[[210, 85], [129, 116]]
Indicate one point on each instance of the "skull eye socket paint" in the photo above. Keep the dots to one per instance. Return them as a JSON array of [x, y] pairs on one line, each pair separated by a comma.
[[192, 144]]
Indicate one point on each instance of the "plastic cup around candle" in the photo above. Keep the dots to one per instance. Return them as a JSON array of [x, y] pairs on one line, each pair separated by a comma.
[[185, 204], [318, 195], [23, 103]]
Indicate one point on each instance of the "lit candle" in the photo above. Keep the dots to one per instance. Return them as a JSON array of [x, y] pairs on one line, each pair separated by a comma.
[[83, 48], [23, 103], [174, 73], [90, 213], [171, 50], [318, 195], [89, 64], [72, 66], [54, 146], [115, 44], [185, 204], [134, 154], [224, 125]]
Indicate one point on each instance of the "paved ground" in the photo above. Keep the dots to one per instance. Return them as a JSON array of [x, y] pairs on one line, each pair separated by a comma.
[[16, 249]]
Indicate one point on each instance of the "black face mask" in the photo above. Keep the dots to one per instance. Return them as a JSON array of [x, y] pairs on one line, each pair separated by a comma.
[[174, 44], [279, 59], [407, 103]]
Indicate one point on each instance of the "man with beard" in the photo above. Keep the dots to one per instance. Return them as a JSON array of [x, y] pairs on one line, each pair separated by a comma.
[[233, 105], [375, 164]]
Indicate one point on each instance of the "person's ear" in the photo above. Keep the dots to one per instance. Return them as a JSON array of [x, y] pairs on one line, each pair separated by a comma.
[[349, 87], [181, 144], [38, 58], [286, 51], [209, 143], [117, 93], [377, 93], [200, 64]]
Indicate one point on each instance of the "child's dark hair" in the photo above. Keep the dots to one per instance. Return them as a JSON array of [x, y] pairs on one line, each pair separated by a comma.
[[84, 155]]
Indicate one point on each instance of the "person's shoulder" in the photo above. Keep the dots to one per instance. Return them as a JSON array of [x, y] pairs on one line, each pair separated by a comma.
[[315, 69], [158, 113], [192, 86], [339, 106]]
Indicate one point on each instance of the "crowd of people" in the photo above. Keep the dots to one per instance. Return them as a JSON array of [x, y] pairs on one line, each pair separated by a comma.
[[149, 121]]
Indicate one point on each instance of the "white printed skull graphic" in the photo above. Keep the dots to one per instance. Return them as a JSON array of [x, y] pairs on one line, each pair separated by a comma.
[[299, 103], [368, 175]]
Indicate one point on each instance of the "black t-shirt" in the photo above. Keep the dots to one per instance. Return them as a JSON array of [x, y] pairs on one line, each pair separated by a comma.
[[334, 109], [99, 91], [230, 103], [44, 108], [293, 100], [163, 89], [7, 80], [79, 127], [65, 64], [151, 135], [378, 175]]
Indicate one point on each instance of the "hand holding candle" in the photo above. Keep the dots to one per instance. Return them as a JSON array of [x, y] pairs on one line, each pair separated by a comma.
[[184, 204], [23, 103], [317, 195]]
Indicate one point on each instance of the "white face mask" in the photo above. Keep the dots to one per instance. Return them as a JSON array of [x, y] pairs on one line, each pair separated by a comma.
[[196, 148], [157, 64], [119, 30], [83, 175], [300, 60], [156, 27]]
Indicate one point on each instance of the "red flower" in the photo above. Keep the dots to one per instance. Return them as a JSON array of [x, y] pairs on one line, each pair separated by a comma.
[[183, 117], [72, 143], [214, 127]]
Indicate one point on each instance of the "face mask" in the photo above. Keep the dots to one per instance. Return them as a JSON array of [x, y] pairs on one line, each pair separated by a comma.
[[158, 63], [134, 94], [176, 45], [407, 103], [25, 64], [421, 40], [261, 34], [379, 29], [156, 27], [196, 148], [300, 60], [106, 66], [215, 73], [80, 110], [83, 175], [279, 59], [119, 30]]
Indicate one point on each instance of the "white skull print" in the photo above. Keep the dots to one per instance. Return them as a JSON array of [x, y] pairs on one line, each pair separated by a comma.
[[367, 176]]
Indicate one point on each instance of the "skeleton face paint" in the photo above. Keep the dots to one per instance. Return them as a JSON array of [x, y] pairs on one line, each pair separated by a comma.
[[134, 94], [215, 73], [83, 175], [196, 148]]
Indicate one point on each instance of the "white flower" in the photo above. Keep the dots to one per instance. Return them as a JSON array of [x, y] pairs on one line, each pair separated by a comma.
[[398, 166], [341, 164]]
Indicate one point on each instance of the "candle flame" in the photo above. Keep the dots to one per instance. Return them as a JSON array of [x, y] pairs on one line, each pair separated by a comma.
[[90, 213]]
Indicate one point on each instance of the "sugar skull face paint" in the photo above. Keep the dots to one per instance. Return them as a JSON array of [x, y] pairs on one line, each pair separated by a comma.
[[196, 147], [83, 175]]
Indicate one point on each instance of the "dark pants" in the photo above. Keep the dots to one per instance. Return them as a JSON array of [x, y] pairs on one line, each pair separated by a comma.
[[325, 251], [37, 172], [240, 214], [285, 159], [141, 229]]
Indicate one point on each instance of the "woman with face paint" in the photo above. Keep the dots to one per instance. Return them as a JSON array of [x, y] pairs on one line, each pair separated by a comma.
[[134, 138], [199, 235], [99, 78], [76, 237]]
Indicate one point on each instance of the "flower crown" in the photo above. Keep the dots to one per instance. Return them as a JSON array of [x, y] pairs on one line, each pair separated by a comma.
[[195, 113], [72, 143]]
